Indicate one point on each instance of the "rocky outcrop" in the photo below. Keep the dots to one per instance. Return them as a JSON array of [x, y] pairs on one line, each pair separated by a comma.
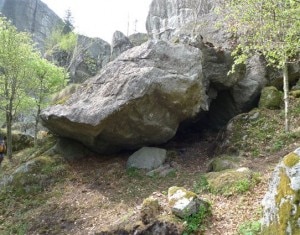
[[180, 19], [31, 16], [281, 208], [138, 39], [91, 54], [120, 43], [194, 22], [34, 17], [138, 99]]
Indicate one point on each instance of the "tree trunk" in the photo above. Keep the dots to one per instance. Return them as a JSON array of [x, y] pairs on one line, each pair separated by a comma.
[[36, 124], [9, 134], [286, 98]]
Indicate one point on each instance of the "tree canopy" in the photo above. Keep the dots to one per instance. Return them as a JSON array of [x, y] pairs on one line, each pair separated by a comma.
[[24, 76], [268, 27]]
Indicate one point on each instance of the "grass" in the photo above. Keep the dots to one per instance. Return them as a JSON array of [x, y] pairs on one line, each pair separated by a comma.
[[265, 134], [197, 222], [201, 185], [249, 228]]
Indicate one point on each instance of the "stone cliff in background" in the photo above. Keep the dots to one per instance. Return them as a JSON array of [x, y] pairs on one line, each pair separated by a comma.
[[32, 16], [196, 22]]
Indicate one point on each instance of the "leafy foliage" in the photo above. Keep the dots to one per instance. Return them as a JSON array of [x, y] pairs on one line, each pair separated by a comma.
[[59, 40], [26, 79], [250, 228], [269, 27], [196, 222]]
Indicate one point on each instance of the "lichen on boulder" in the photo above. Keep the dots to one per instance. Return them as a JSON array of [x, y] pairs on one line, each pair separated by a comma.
[[183, 203], [281, 207], [150, 209]]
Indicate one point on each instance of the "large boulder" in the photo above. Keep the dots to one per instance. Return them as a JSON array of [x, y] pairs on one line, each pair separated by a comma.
[[281, 208], [138, 99]]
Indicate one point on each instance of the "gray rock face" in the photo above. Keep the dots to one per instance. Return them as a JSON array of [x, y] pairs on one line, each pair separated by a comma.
[[169, 18], [136, 100], [147, 158], [120, 43], [93, 54], [194, 23], [31, 16], [138, 39], [281, 202]]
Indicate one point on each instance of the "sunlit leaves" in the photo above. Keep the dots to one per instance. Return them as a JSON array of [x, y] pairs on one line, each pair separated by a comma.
[[270, 27]]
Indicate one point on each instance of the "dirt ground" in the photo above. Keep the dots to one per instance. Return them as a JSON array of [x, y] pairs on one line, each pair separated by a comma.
[[99, 192]]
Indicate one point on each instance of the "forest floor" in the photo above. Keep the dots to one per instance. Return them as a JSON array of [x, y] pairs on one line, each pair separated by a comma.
[[99, 192], [92, 194]]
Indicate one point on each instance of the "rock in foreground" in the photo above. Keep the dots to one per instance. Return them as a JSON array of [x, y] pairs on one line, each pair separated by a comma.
[[281, 208], [139, 99]]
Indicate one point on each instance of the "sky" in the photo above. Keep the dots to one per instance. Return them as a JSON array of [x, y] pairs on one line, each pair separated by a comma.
[[101, 18]]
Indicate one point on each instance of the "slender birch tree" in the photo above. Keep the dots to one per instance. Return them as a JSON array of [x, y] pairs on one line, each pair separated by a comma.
[[24, 76], [268, 27], [16, 53]]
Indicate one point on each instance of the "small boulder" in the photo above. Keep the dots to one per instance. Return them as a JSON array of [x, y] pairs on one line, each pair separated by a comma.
[[281, 208], [147, 158], [183, 203], [138, 39], [229, 182], [223, 163], [270, 98]]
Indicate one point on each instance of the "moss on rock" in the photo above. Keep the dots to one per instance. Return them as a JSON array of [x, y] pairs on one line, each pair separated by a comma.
[[291, 159], [223, 163], [282, 202], [270, 98], [150, 210], [229, 182]]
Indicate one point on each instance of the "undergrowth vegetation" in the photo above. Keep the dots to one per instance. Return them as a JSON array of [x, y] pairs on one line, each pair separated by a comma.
[[261, 131]]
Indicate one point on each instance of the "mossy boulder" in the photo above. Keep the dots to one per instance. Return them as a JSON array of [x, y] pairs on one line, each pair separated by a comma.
[[270, 98], [230, 182], [20, 140], [281, 207], [182, 202], [223, 163], [150, 209], [295, 93]]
